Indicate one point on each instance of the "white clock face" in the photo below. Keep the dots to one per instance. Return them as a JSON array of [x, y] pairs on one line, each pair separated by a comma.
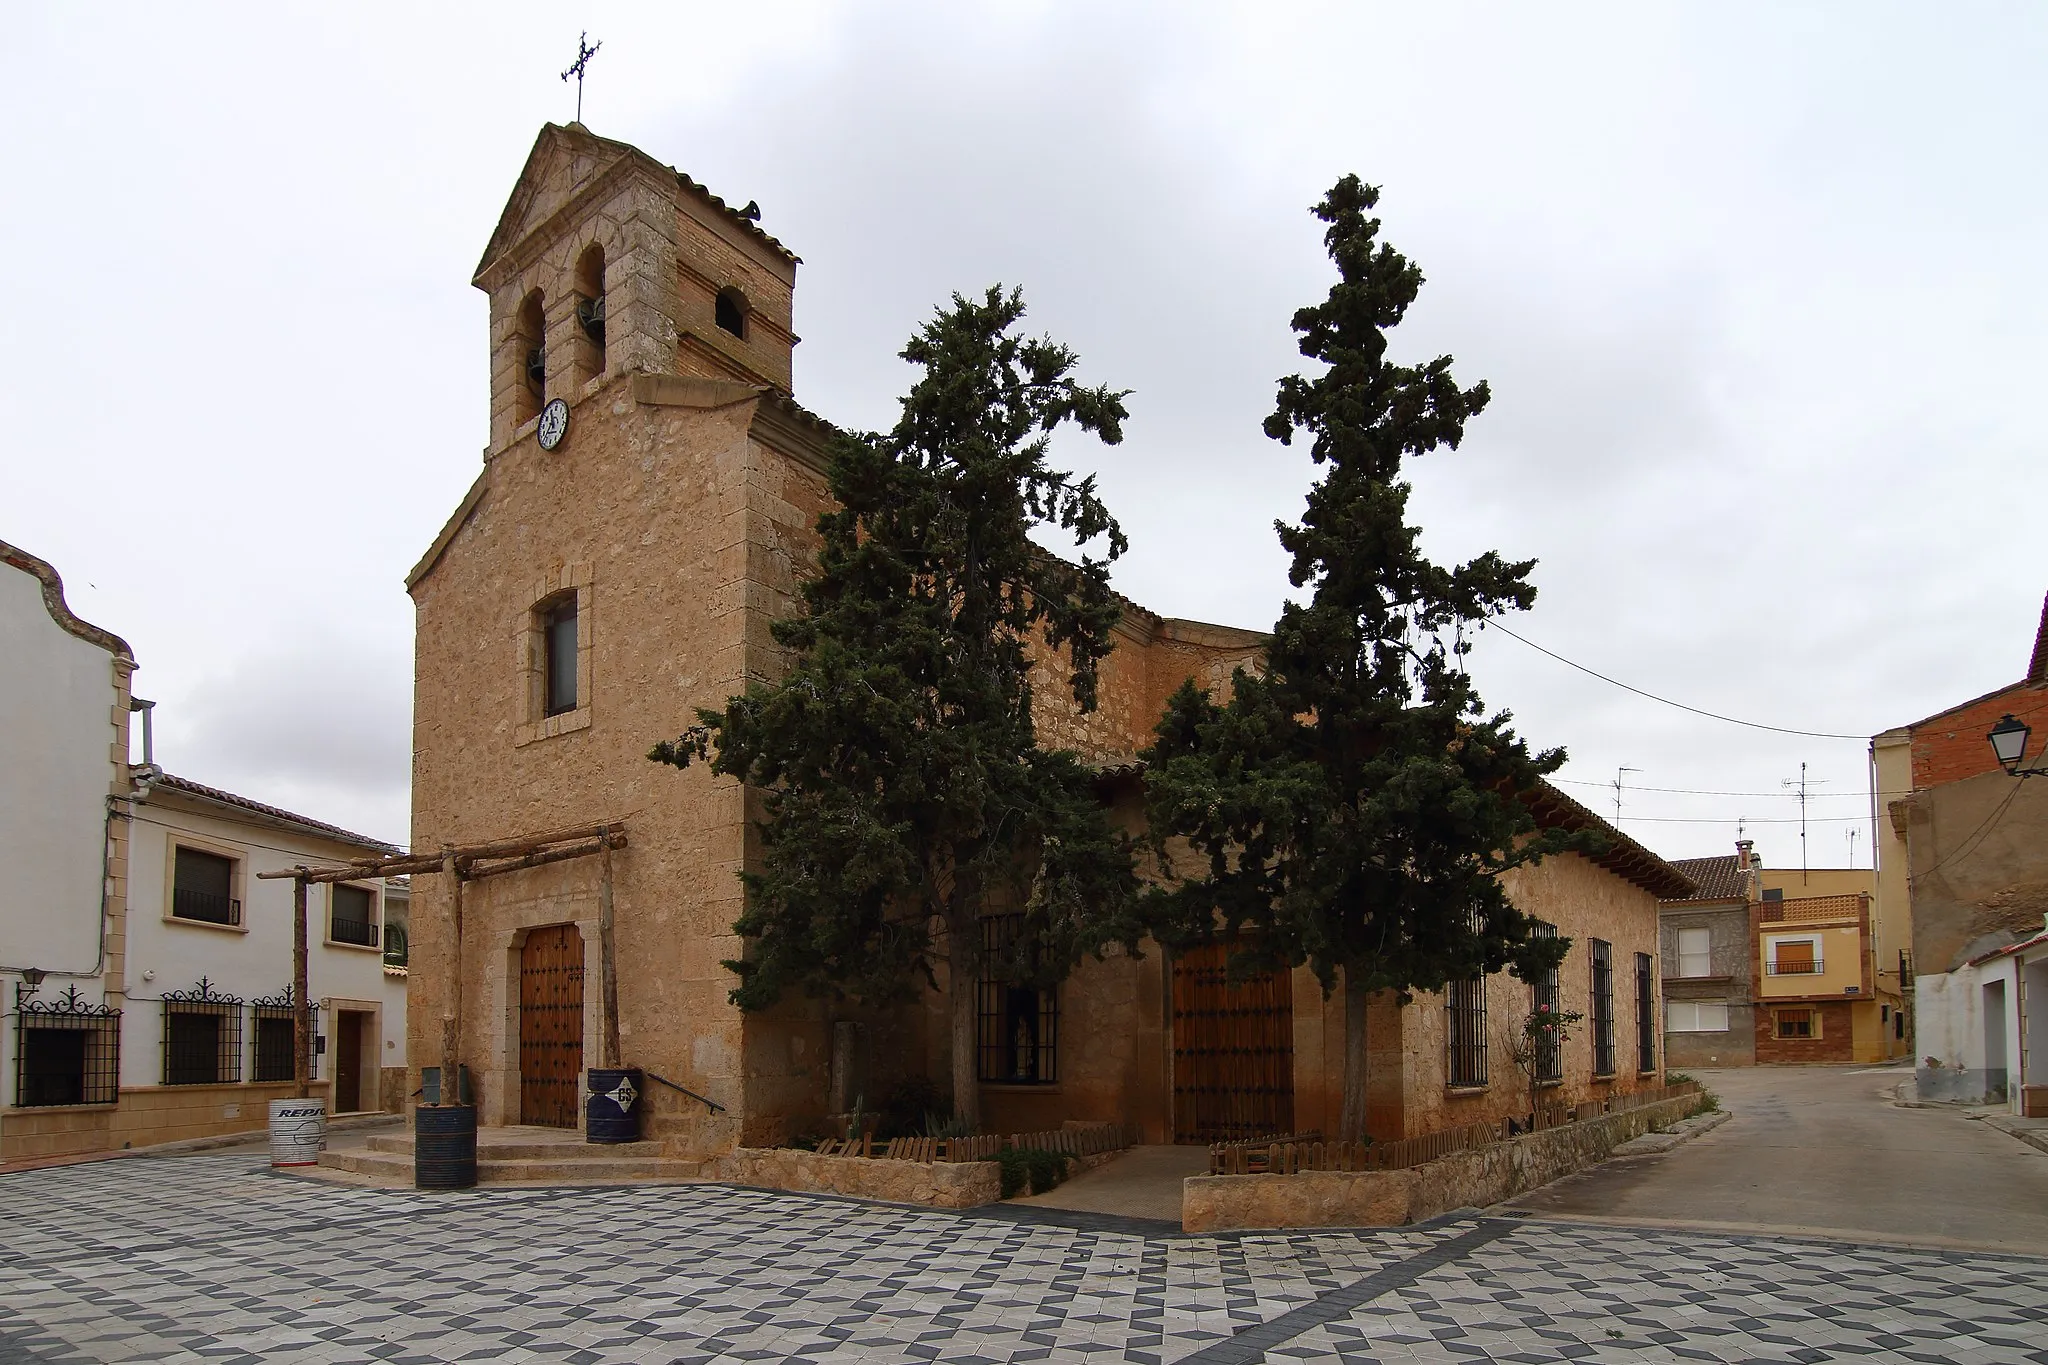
[[554, 424]]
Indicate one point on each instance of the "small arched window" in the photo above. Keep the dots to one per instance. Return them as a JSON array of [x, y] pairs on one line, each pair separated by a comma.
[[530, 346], [590, 300], [730, 312]]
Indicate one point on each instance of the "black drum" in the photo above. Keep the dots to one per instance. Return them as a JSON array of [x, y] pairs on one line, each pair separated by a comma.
[[612, 1113], [444, 1147]]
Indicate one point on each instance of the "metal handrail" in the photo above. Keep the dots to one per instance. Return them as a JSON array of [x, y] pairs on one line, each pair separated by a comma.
[[714, 1106]]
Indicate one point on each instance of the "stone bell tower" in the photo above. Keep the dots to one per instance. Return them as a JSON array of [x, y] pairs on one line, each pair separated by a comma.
[[606, 262]]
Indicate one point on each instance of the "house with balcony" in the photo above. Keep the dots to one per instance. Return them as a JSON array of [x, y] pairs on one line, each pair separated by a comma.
[[1819, 995]]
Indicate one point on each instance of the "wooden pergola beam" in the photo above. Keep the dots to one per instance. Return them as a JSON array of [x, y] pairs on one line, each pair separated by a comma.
[[404, 864]]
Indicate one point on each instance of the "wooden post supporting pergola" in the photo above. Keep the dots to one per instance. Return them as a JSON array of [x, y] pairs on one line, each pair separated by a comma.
[[464, 863]]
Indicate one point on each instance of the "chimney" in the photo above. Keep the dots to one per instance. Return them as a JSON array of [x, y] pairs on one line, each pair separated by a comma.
[[1745, 854]]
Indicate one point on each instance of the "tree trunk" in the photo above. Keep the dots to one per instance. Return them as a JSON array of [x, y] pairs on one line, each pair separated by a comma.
[[963, 978], [1351, 1127]]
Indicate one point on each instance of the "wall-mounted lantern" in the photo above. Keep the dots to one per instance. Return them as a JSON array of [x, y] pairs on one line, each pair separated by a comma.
[[2009, 742]]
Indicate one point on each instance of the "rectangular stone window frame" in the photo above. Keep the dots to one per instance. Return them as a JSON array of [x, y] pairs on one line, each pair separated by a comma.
[[531, 645], [376, 894], [237, 882]]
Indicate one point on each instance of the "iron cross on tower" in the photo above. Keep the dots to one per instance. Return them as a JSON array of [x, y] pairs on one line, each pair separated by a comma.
[[584, 52]]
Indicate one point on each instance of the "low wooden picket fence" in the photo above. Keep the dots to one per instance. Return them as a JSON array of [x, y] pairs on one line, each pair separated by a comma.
[[1086, 1140], [1307, 1152]]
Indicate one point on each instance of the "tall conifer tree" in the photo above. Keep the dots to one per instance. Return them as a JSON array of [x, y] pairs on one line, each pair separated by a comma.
[[1351, 806], [906, 792]]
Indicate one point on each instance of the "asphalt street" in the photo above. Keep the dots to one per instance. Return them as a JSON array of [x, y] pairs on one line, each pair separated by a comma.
[[1825, 1150]]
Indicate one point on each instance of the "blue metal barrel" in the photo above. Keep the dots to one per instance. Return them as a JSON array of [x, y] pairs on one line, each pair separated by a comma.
[[612, 1113], [444, 1147]]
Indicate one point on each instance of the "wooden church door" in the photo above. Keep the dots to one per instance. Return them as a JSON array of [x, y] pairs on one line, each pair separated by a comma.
[[1233, 1050], [550, 1026]]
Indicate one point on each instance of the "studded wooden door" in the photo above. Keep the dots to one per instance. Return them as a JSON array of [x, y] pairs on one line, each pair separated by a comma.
[[550, 1026], [1233, 1050]]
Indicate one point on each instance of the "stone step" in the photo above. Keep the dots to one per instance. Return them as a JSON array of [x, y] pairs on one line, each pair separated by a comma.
[[386, 1168], [489, 1148]]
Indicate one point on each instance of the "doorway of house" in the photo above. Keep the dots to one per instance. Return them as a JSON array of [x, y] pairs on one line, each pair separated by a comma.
[[550, 1026], [1233, 1050], [348, 1061]]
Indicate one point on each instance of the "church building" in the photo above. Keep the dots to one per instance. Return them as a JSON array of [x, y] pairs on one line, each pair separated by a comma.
[[644, 511]]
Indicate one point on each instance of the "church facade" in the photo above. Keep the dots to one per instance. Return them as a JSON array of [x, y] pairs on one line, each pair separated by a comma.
[[645, 510]]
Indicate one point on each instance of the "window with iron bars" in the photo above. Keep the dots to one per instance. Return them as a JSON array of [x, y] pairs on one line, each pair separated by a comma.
[[353, 917], [202, 1036], [1465, 1006], [1646, 1015], [66, 1051], [1018, 1036], [1545, 994], [202, 887], [272, 1053], [1603, 1008]]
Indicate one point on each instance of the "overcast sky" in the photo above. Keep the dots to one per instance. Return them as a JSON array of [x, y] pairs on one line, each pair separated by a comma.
[[1760, 291]]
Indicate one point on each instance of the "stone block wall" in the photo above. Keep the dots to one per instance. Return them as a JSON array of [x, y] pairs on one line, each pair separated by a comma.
[[1487, 1175], [144, 1117], [1836, 1042]]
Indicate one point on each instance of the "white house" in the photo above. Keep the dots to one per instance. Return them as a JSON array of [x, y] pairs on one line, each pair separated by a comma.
[[210, 957], [148, 969], [1987, 1020], [64, 708]]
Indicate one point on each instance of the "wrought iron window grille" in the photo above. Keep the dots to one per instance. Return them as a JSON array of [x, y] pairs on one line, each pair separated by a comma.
[[271, 1054], [205, 907], [66, 1050], [202, 1040], [1546, 994], [1646, 1015], [1603, 1008], [1018, 1030], [1465, 1006]]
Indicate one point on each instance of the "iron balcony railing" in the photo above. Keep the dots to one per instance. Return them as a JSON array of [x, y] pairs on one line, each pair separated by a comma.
[[205, 906], [360, 932], [1800, 968]]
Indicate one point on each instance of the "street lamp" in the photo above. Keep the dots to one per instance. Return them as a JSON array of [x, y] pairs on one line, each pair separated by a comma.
[[2009, 741]]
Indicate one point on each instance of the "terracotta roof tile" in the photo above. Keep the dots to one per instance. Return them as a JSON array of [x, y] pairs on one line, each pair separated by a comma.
[[277, 813], [1718, 879]]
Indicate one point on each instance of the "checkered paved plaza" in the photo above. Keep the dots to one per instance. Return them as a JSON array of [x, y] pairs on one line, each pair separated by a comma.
[[213, 1258]]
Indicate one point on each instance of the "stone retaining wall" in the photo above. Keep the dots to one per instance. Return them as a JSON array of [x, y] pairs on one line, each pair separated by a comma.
[[939, 1184], [1487, 1175]]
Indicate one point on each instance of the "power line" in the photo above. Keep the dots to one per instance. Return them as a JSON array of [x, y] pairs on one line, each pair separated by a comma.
[[1710, 715], [1745, 819], [1695, 791]]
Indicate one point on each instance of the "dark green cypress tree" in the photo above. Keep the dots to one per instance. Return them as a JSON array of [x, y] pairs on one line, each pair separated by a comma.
[[906, 792], [1352, 806]]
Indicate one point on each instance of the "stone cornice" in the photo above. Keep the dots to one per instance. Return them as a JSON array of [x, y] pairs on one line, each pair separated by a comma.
[[60, 612]]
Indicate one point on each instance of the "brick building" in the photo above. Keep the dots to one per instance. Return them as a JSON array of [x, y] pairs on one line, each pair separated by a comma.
[[595, 587], [1963, 876]]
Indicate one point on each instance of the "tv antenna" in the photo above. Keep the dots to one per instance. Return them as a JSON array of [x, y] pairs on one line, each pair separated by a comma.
[[1852, 832], [1802, 784], [584, 52], [1617, 790]]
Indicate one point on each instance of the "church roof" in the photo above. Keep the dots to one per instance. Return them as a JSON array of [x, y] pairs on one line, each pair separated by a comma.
[[574, 144]]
